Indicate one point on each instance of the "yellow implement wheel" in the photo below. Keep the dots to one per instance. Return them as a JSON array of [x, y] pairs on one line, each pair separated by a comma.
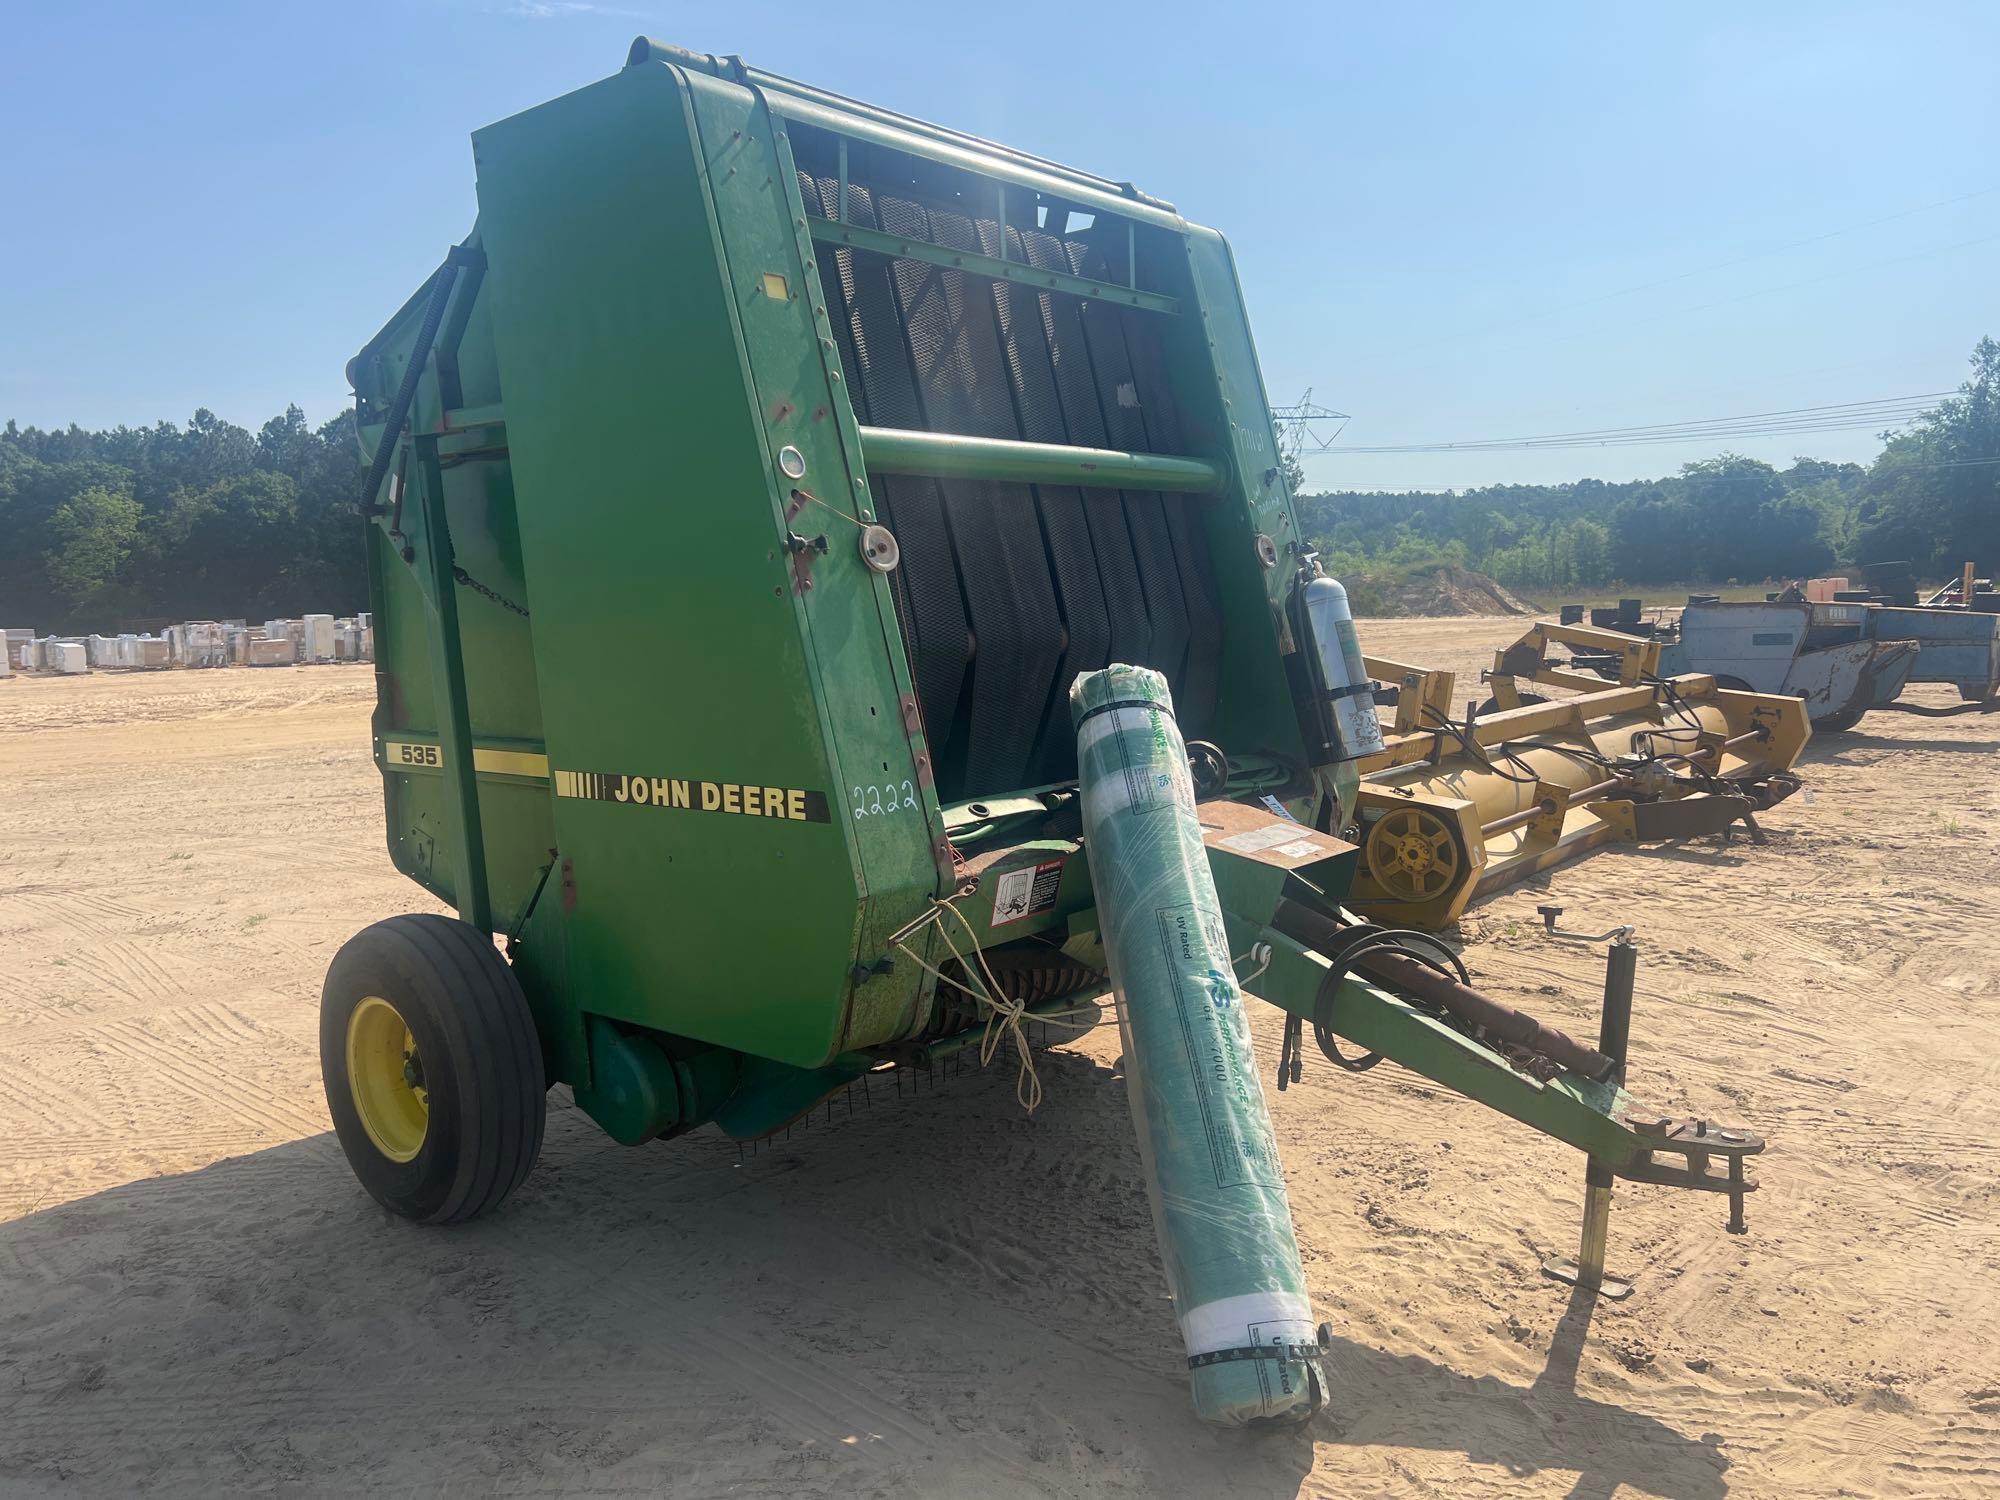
[[1412, 854], [432, 1066], [386, 1075]]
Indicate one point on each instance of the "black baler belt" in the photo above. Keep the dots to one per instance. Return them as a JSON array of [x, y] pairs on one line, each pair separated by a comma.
[[1065, 531], [1194, 695], [1083, 424], [937, 635], [1145, 512], [961, 386], [1006, 591]]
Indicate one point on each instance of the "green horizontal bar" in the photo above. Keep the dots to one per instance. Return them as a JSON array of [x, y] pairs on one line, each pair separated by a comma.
[[465, 418], [951, 455], [828, 231]]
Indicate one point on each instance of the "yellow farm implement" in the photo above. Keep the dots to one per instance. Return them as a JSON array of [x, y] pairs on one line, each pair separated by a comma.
[[1451, 809]]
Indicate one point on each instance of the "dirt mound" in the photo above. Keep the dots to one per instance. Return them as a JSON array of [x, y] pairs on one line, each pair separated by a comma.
[[1447, 591]]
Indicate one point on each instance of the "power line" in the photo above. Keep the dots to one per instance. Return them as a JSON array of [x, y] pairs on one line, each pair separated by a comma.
[[1943, 463], [1752, 416], [1456, 491], [1832, 417], [1826, 423]]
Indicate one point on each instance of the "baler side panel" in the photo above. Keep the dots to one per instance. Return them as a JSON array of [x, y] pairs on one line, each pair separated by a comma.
[[503, 697], [667, 640], [852, 643], [1218, 395]]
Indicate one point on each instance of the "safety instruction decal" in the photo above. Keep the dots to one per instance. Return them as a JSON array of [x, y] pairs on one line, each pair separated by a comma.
[[1026, 892]]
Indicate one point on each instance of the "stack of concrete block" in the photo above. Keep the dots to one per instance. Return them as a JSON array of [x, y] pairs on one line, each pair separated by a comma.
[[287, 630], [198, 643], [268, 651], [352, 639], [70, 658], [316, 643]]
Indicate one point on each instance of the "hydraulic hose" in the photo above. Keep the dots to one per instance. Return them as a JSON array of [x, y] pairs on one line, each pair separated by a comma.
[[1399, 972]]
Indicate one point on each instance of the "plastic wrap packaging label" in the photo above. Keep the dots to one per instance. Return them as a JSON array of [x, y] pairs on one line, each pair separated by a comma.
[[1210, 1159], [1218, 1049], [1145, 782]]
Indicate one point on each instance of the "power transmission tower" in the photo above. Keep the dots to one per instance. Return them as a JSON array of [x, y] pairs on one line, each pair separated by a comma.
[[1303, 427]]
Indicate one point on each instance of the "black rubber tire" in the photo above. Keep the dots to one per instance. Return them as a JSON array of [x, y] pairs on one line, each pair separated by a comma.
[[1838, 723], [482, 1065], [1733, 684]]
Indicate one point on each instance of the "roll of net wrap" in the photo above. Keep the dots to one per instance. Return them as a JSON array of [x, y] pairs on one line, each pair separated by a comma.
[[1205, 1140]]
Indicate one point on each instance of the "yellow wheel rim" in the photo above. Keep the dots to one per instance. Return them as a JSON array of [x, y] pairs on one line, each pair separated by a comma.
[[1412, 855], [386, 1077]]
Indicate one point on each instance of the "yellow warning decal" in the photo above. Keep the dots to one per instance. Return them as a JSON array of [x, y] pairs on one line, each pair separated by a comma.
[[409, 755], [677, 793], [511, 763]]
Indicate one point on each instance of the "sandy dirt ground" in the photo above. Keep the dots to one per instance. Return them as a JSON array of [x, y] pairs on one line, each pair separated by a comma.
[[929, 1292]]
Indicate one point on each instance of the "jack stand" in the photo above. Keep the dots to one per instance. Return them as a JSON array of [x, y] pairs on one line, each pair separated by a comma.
[[1586, 1269], [1614, 1039]]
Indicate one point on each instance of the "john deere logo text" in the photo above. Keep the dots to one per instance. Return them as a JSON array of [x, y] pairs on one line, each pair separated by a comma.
[[676, 793]]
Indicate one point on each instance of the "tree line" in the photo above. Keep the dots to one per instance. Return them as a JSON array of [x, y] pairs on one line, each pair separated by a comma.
[[132, 525], [106, 529], [1932, 496]]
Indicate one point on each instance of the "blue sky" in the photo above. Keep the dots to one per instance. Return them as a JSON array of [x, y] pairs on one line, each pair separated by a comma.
[[1453, 222]]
